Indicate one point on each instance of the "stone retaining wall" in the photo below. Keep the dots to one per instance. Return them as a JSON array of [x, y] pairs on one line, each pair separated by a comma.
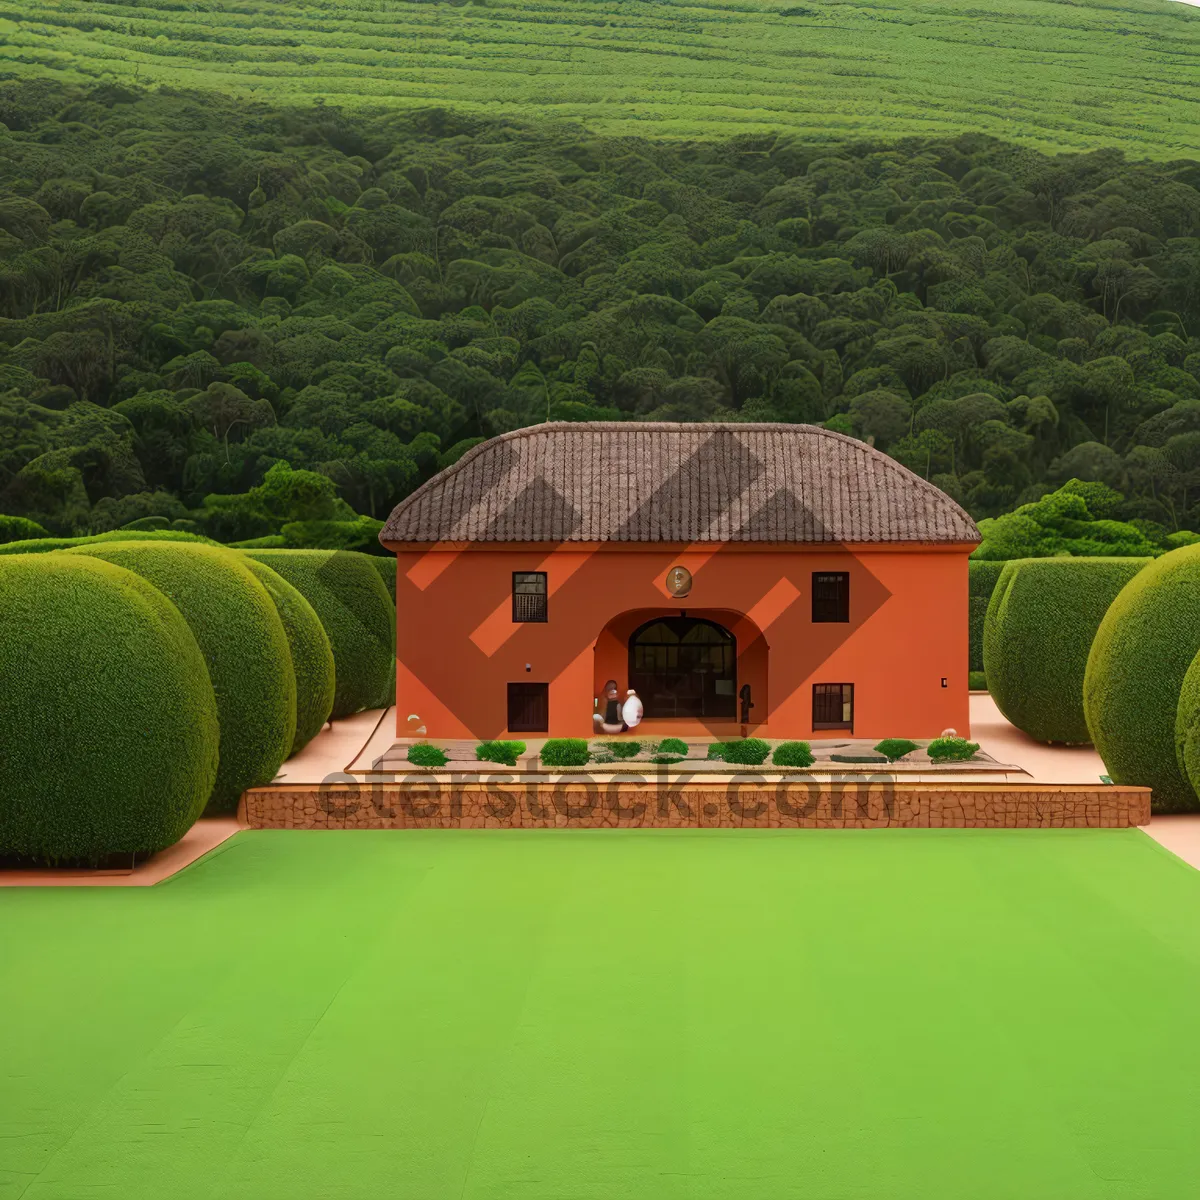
[[440, 803]]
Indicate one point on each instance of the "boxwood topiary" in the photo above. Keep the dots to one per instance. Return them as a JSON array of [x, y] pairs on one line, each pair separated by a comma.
[[386, 568], [745, 751], [894, 748], [500, 752], [348, 596], [671, 745], [793, 754], [981, 582], [623, 749], [952, 749], [1038, 633], [1187, 725], [109, 718], [1134, 679], [312, 658], [565, 752], [243, 643], [425, 755]]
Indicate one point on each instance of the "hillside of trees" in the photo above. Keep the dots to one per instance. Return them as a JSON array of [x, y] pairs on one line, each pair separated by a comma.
[[197, 292]]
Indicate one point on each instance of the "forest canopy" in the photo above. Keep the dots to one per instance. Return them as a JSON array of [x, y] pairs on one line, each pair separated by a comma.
[[259, 323]]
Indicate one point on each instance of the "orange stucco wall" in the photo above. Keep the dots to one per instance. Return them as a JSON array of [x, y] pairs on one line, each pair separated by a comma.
[[457, 645]]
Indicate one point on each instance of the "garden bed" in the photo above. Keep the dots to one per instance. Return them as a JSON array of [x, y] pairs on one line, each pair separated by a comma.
[[840, 756]]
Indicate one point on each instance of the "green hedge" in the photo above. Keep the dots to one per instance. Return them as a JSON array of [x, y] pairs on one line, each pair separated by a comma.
[[982, 577], [110, 721], [312, 657], [46, 544], [1040, 624], [348, 596], [243, 643], [565, 752], [387, 572], [1131, 690], [1187, 725], [17, 529]]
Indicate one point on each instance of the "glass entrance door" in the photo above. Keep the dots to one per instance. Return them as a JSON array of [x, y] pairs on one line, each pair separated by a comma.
[[684, 667]]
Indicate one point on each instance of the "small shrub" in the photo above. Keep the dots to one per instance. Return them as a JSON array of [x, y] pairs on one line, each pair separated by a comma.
[[894, 748], [676, 746], [952, 749], [565, 752], [500, 752], [716, 751], [623, 749], [748, 752], [793, 754], [425, 755], [666, 759]]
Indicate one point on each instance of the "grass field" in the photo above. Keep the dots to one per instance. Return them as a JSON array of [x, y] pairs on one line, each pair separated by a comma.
[[1050, 73], [564, 1015]]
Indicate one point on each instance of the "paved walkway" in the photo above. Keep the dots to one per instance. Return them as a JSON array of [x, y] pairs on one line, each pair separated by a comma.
[[1045, 764], [204, 836]]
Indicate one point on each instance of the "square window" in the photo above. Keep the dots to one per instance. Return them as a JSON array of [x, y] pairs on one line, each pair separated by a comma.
[[833, 706], [529, 596], [528, 707], [831, 596]]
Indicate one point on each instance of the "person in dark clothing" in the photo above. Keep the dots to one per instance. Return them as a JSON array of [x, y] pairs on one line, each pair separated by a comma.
[[609, 721]]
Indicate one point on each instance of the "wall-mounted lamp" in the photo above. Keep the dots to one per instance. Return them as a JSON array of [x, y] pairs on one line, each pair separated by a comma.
[[529, 668], [943, 678]]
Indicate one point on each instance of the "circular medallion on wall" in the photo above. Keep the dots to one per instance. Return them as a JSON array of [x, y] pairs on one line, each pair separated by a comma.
[[679, 581]]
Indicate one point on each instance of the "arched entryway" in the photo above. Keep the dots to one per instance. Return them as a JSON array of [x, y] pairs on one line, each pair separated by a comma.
[[684, 667]]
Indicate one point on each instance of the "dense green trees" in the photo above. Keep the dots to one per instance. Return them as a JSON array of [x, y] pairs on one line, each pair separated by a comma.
[[258, 324]]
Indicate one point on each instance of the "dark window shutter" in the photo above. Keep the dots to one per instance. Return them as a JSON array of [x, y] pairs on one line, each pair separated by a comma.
[[529, 596], [833, 706], [528, 707], [831, 596]]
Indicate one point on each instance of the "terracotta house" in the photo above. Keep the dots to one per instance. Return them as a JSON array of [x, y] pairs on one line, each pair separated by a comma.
[[779, 580]]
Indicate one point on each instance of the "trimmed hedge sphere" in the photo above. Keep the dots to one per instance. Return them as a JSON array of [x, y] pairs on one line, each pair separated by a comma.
[[982, 577], [348, 595], [243, 643], [1135, 673], [110, 721], [1040, 624], [312, 658], [1187, 726], [387, 572]]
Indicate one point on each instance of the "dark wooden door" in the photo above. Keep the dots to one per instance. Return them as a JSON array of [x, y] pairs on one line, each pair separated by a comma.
[[684, 667]]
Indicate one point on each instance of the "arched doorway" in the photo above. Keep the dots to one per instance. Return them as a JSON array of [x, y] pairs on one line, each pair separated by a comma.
[[684, 667]]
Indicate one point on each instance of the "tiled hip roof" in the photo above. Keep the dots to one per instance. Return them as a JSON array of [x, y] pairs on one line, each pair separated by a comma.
[[656, 482]]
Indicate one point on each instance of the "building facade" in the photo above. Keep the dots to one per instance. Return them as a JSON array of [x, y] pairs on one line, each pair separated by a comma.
[[778, 580]]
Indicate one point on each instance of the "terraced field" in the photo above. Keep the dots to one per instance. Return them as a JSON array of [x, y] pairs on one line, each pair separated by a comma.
[[1051, 74]]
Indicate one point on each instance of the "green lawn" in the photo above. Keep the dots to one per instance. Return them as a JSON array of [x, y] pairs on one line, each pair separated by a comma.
[[569, 1014], [1050, 73]]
